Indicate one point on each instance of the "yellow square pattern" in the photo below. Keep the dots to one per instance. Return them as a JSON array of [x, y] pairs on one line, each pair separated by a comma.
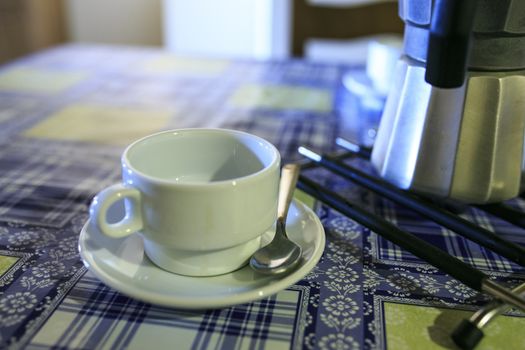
[[99, 124], [51, 332], [186, 65], [6, 262], [151, 330], [283, 97], [38, 80], [419, 327]]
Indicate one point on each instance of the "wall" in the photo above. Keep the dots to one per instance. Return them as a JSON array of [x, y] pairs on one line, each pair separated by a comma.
[[131, 22], [238, 28], [29, 25]]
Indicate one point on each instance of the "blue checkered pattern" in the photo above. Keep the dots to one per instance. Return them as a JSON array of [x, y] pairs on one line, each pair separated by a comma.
[[288, 132], [468, 251], [48, 185], [48, 301], [99, 317]]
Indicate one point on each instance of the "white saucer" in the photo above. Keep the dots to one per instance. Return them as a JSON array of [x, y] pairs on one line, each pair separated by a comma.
[[122, 264]]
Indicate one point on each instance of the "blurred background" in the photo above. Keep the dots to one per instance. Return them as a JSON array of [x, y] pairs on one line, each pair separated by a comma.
[[254, 29]]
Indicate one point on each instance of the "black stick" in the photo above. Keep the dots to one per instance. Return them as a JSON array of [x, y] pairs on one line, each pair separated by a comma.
[[423, 250], [451, 265], [465, 228], [505, 212], [500, 210]]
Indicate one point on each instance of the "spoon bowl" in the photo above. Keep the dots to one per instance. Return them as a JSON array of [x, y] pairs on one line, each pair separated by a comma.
[[280, 256]]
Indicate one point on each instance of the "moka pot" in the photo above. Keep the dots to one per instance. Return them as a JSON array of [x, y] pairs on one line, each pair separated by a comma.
[[453, 124]]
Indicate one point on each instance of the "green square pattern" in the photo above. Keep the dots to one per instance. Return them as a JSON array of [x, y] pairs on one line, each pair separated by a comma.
[[429, 328], [6, 262]]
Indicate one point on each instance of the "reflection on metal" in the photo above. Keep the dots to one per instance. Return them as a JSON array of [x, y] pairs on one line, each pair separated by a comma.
[[464, 143]]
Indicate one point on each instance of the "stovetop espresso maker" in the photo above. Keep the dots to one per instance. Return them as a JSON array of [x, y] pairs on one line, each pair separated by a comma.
[[453, 124]]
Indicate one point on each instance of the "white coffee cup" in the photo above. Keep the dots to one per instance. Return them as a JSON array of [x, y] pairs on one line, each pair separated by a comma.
[[201, 198]]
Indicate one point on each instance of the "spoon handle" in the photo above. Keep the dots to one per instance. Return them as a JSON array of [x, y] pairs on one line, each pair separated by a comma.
[[289, 175]]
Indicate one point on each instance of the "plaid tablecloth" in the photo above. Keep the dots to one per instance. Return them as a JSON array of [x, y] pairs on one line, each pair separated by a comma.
[[66, 115]]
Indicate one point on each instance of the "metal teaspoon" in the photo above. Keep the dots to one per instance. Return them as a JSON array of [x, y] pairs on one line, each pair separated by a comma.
[[281, 254]]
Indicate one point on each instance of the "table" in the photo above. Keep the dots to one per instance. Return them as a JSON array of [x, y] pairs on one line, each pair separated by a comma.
[[67, 113]]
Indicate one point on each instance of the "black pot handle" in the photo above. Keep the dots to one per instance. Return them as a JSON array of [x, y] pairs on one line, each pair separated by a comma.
[[448, 43]]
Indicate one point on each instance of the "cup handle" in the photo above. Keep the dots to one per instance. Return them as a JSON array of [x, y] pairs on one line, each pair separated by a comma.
[[132, 221]]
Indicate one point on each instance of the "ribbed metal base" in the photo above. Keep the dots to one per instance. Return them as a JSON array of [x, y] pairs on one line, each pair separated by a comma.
[[465, 143]]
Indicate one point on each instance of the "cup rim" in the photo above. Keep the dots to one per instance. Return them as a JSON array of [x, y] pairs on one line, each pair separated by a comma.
[[275, 162]]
